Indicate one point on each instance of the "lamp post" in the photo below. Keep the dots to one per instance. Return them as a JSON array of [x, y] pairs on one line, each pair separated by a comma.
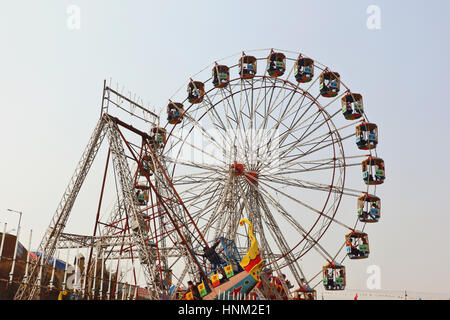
[[11, 273], [20, 216]]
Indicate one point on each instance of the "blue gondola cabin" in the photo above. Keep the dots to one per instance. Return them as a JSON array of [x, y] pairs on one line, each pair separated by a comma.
[[352, 106], [373, 171], [276, 64], [357, 244], [369, 208], [304, 70], [330, 84], [366, 136], [175, 112], [247, 67]]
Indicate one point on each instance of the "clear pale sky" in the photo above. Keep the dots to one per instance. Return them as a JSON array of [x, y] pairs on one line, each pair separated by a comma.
[[51, 79]]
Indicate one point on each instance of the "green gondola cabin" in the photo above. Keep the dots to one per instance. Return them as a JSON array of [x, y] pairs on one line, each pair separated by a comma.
[[366, 136], [352, 106], [304, 70]]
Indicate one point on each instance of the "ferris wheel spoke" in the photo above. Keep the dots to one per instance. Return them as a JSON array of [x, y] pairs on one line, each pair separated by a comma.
[[318, 162], [240, 134], [293, 182], [322, 214], [294, 222], [281, 242], [319, 111], [197, 125], [313, 149], [290, 131]]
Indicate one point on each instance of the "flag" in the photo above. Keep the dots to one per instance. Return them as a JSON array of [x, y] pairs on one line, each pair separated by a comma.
[[229, 271], [356, 297], [215, 279], [202, 289], [189, 296]]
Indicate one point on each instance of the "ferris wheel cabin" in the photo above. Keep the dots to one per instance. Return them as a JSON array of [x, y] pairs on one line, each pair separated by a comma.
[[142, 195], [159, 137], [367, 136], [276, 64], [373, 171], [221, 76], [330, 84], [334, 276], [369, 208], [304, 70], [357, 244], [305, 293], [247, 67], [196, 91], [146, 166], [352, 106], [175, 112]]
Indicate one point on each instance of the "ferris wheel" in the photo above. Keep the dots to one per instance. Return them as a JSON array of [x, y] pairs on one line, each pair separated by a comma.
[[261, 135], [257, 139]]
